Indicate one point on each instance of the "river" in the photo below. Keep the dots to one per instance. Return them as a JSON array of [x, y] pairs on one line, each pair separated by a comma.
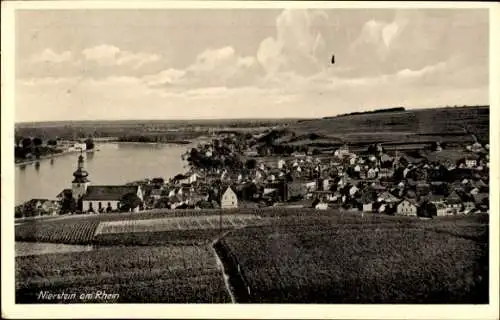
[[114, 163]]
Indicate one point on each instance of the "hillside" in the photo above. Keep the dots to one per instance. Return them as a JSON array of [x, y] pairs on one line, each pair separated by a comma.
[[409, 126]]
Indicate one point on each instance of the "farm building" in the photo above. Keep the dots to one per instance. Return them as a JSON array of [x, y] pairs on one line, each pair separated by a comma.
[[229, 200]]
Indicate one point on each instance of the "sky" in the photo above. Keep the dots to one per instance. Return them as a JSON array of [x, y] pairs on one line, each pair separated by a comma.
[[246, 63]]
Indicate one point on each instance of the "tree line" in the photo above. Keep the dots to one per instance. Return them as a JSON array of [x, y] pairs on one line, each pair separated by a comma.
[[26, 147]]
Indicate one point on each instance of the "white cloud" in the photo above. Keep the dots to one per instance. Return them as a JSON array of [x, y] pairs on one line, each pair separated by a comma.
[[136, 59], [211, 68], [108, 55], [298, 45], [165, 77], [49, 56], [103, 54]]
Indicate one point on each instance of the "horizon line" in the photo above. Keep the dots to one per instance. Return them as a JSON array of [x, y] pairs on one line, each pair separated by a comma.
[[256, 118]]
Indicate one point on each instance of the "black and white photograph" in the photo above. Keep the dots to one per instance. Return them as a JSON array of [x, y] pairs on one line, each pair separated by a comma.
[[279, 155]]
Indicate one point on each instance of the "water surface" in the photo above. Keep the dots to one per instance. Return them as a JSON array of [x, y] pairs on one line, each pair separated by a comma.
[[115, 163]]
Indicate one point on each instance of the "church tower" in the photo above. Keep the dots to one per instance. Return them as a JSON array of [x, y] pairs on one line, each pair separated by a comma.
[[80, 182]]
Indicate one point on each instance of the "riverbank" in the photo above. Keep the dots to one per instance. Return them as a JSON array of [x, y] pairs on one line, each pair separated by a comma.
[[121, 140], [54, 155], [179, 142]]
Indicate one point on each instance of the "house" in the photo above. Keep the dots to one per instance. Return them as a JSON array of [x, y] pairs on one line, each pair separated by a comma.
[[299, 154], [156, 194], [311, 185], [368, 197], [281, 163], [65, 194], [387, 197], [353, 190], [193, 178], [453, 203], [40, 207], [251, 153], [229, 200], [470, 162], [321, 206], [326, 184], [342, 151], [476, 147], [407, 208], [108, 198], [385, 158], [371, 173], [385, 173], [442, 210], [172, 193], [468, 203], [436, 199]]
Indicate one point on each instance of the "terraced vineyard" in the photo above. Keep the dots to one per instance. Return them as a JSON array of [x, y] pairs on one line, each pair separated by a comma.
[[373, 261], [167, 274], [157, 227], [175, 223], [69, 232]]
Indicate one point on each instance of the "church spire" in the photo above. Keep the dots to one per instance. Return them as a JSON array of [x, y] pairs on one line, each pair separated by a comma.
[[80, 174]]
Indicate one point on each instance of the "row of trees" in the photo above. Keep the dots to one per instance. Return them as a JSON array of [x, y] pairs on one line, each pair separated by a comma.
[[26, 146]]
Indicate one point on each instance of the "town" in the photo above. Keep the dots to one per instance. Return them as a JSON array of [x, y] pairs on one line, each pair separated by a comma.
[[245, 170]]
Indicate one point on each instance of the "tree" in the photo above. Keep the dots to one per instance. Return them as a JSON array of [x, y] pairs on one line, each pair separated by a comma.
[[89, 143], [26, 142], [372, 149], [37, 142], [68, 204], [158, 180], [129, 201], [52, 142]]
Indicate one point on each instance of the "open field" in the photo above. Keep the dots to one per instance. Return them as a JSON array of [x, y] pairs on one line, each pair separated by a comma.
[[348, 259], [167, 274]]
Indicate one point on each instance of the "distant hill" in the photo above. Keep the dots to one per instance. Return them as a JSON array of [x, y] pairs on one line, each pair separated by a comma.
[[398, 109], [452, 124]]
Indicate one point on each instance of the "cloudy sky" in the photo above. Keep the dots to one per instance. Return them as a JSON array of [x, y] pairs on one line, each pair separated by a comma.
[[246, 63]]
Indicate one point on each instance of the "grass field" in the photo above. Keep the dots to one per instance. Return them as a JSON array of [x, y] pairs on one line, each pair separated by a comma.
[[341, 260], [167, 274]]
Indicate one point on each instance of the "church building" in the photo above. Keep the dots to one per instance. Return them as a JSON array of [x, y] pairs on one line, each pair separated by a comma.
[[97, 199]]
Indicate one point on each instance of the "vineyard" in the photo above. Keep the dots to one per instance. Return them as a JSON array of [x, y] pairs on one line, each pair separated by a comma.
[[167, 274], [162, 226], [373, 261], [175, 223], [69, 232], [139, 229]]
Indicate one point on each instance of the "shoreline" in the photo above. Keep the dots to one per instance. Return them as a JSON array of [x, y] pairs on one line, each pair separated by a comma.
[[55, 155], [184, 142], [29, 162]]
